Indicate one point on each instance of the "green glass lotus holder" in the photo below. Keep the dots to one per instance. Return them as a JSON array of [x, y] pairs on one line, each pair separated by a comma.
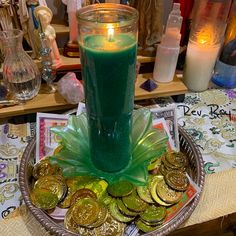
[[148, 144]]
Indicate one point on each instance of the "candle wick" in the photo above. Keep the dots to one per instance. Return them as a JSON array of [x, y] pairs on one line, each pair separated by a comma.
[[110, 38]]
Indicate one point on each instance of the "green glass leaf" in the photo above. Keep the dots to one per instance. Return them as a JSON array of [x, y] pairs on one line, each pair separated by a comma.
[[74, 158], [142, 122]]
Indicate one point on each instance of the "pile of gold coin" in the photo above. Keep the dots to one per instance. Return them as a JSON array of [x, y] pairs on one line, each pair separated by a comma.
[[174, 161], [49, 188], [90, 216], [96, 208], [136, 204]]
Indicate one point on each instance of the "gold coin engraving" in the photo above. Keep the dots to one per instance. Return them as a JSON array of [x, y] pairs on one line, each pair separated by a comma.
[[177, 180], [85, 211], [167, 194]]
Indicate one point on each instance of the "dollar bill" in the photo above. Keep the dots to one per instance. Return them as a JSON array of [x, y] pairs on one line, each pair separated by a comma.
[[162, 124], [169, 113]]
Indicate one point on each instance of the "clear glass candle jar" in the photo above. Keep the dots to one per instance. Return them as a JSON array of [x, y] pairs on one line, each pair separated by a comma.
[[108, 45], [206, 38], [20, 73]]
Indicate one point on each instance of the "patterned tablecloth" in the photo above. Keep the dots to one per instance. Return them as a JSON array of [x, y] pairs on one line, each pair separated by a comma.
[[210, 117]]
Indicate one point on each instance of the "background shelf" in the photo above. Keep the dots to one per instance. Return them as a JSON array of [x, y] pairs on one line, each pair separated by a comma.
[[46, 102]]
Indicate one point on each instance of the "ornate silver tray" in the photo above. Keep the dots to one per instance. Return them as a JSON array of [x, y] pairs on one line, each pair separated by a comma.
[[187, 146]]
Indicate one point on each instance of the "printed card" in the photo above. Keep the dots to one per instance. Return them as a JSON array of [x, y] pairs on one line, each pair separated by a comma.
[[46, 140], [187, 197]]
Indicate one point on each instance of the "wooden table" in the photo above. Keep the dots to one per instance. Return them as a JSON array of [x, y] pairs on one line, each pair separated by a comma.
[[45, 102]]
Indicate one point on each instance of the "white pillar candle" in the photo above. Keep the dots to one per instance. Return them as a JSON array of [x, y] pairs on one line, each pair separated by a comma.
[[199, 65]]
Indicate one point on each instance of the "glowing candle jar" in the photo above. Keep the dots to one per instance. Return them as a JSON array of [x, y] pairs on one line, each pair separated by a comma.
[[108, 45], [206, 37]]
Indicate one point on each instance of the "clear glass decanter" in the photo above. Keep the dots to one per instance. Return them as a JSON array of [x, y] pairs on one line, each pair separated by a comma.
[[20, 73]]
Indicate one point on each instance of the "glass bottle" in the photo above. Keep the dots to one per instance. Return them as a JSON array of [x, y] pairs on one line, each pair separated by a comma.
[[20, 73], [225, 67], [231, 27]]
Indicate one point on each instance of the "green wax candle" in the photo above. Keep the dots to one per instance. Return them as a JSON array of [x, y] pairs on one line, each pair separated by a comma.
[[108, 69]]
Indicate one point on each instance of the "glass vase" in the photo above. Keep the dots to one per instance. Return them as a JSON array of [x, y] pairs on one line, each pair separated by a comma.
[[20, 73], [108, 45]]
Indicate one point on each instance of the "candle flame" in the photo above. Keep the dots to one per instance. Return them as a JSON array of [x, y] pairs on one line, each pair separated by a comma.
[[110, 33], [206, 36]]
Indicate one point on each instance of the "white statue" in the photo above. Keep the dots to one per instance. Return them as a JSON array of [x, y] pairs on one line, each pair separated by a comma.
[[44, 15]]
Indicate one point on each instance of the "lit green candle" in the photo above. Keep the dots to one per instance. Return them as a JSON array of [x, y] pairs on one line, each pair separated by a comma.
[[108, 67], [108, 45]]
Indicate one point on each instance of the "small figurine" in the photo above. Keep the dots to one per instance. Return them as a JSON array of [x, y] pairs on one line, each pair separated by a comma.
[[150, 24], [72, 48], [44, 15]]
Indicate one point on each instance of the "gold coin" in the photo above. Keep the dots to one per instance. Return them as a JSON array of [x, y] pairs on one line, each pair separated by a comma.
[[167, 194], [163, 170], [69, 222], [117, 214], [102, 216], [153, 214], [134, 202], [54, 183], [144, 194], [111, 227], [72, 226], [177, 159], [167, 165], [65, 203], [152, 185], [82, 193], [177, 180], [106, 199], [43, 198], [158, 223], [145, 227], [85, 211], [120, 189], [124, 210], [44, 167]]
